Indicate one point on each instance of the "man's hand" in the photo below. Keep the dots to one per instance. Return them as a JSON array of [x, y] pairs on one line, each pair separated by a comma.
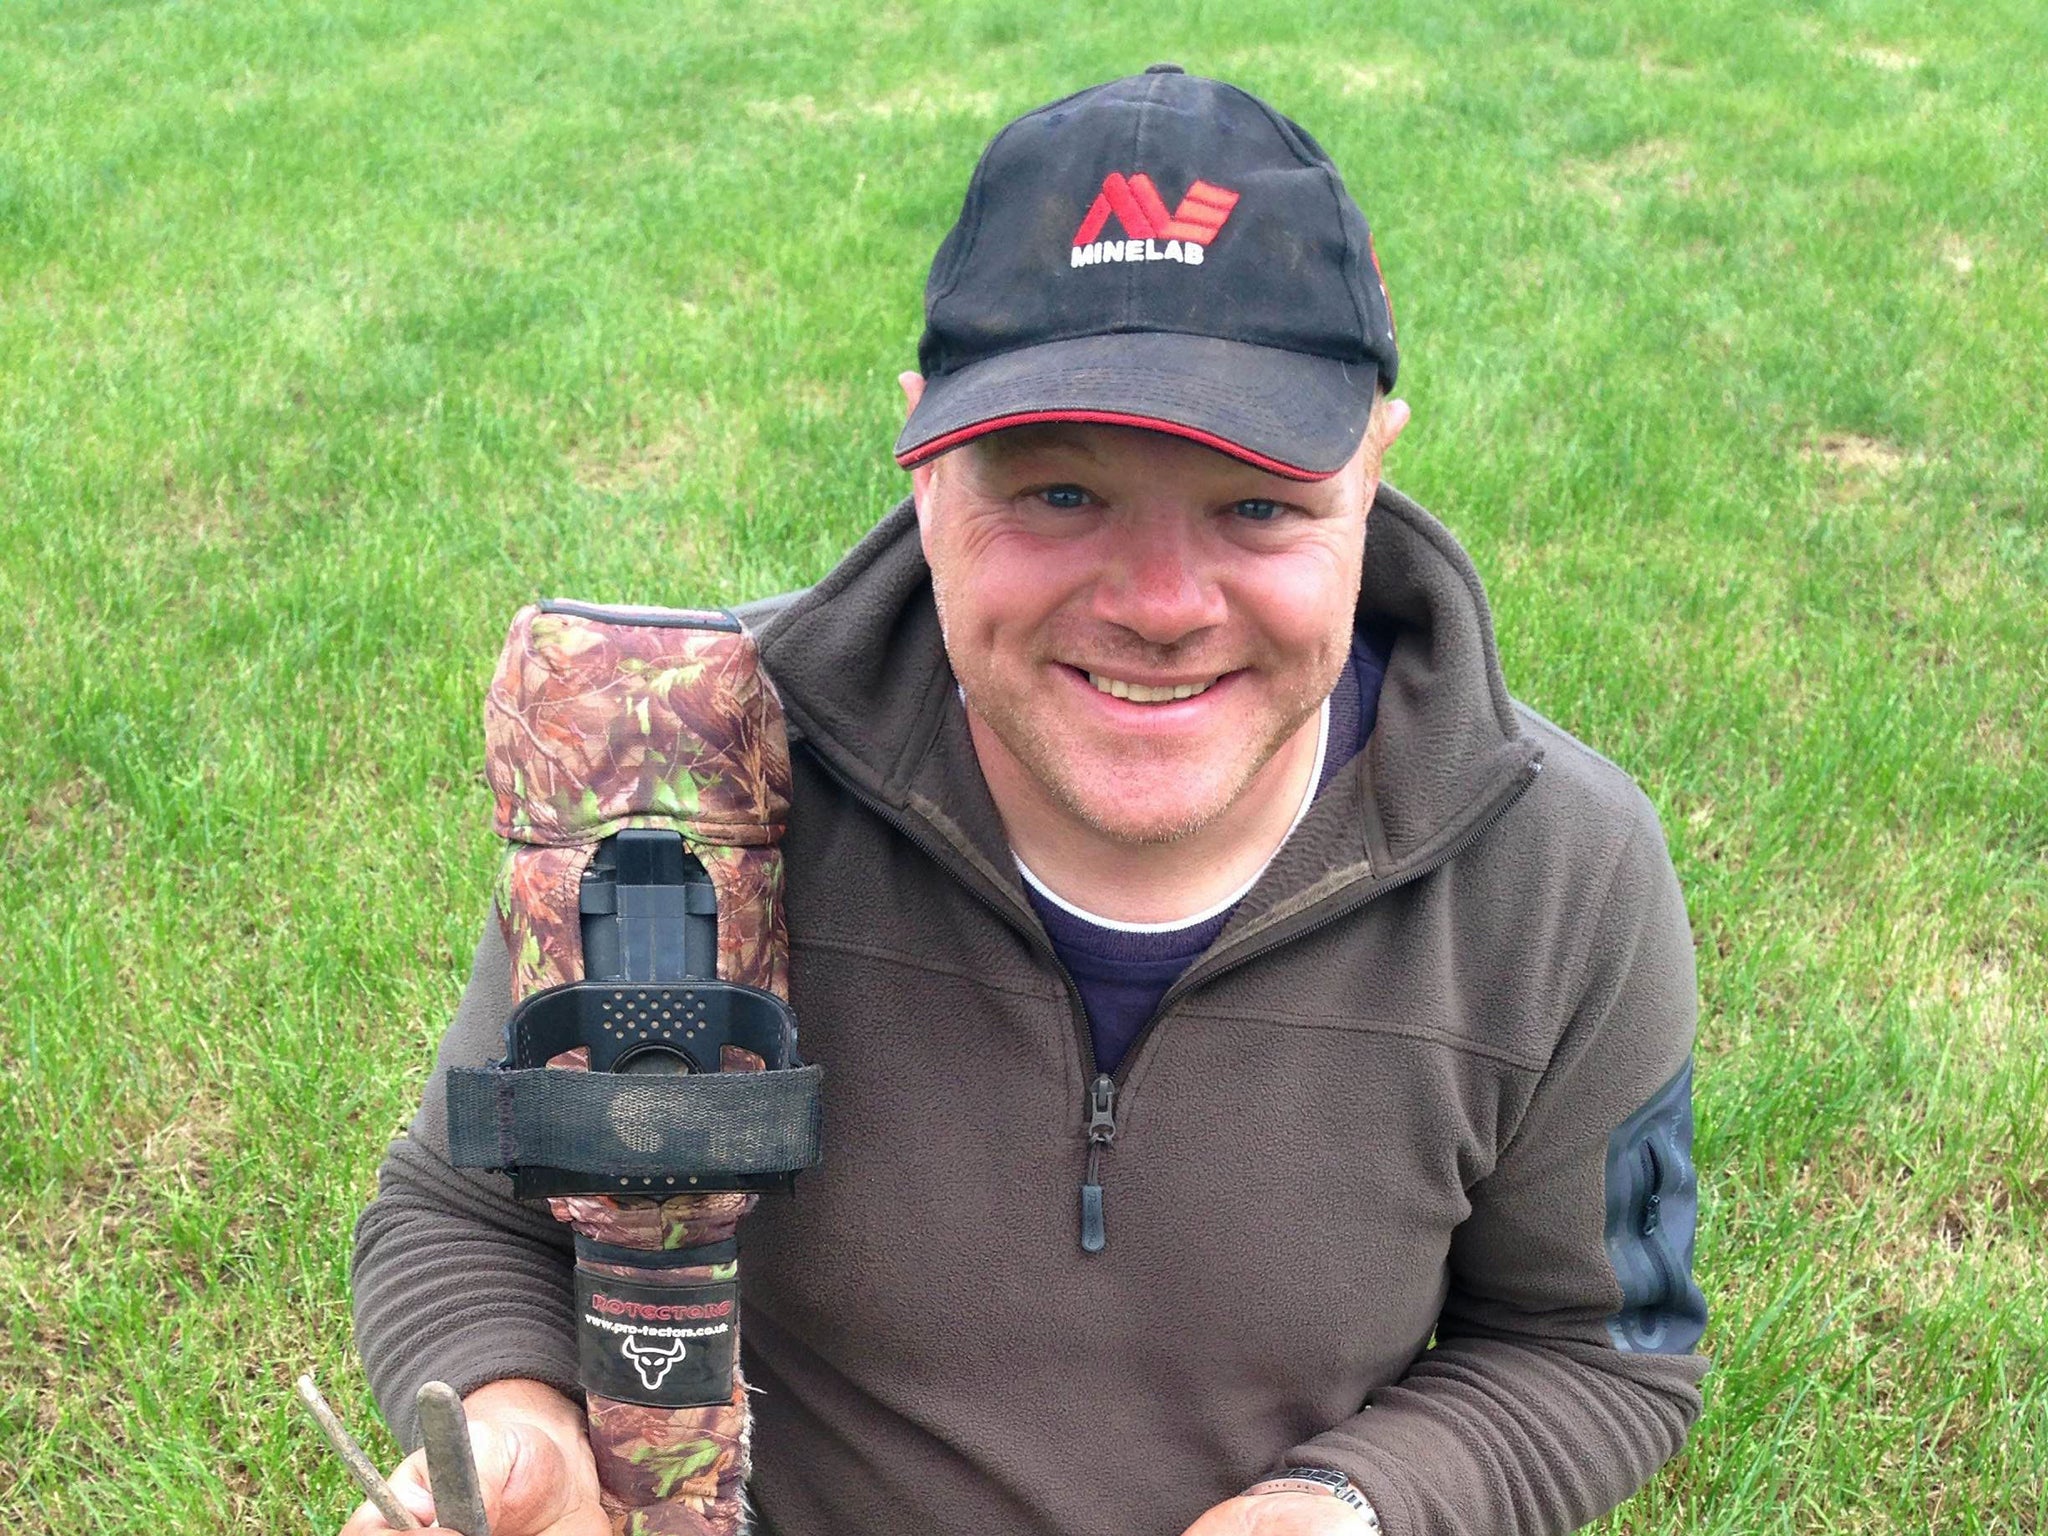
[[533, 1464], [1281, 1514]]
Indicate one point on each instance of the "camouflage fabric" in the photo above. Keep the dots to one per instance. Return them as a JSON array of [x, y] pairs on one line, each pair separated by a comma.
[[590, 728]]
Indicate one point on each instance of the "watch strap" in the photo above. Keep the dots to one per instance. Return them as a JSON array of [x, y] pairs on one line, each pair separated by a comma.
[[1321, 1480]]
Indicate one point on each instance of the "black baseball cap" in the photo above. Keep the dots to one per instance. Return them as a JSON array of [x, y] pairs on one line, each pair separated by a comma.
[[1162, 251]]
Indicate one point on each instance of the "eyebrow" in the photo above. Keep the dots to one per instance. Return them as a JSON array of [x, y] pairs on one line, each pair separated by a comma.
[[1037, 436]]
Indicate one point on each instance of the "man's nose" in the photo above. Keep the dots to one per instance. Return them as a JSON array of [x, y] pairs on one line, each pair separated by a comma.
[[1155, 582]]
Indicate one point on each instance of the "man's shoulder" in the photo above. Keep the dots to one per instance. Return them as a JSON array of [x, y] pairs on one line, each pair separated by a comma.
[[1593, 800], [1562, 751]]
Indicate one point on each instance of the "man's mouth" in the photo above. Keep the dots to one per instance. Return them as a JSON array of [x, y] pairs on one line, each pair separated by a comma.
[[1147, 693]]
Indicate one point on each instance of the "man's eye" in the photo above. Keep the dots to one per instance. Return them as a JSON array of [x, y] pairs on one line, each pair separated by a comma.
[[1064, 496], [1256, 509]]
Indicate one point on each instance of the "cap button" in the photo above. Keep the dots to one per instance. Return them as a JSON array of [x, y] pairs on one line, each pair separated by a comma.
[[1164, 69]]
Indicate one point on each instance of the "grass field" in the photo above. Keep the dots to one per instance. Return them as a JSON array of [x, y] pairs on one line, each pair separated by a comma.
[[330, 334]]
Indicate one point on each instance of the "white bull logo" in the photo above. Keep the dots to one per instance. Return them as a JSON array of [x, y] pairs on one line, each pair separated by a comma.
[[652, 1363]]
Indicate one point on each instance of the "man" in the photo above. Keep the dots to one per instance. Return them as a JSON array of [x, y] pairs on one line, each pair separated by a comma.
[[1257, 1050]]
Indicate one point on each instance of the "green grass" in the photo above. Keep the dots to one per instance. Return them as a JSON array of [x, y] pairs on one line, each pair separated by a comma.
[[328, 335]]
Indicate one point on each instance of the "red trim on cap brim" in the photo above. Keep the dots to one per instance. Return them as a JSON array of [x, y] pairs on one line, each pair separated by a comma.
[[939, 445]]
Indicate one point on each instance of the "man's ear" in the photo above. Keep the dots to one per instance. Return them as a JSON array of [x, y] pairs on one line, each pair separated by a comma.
[[912, 385], [1390, 419]]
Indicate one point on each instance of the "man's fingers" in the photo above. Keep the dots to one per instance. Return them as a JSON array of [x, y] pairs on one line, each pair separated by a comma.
[[528, 1487], [408, 1481]]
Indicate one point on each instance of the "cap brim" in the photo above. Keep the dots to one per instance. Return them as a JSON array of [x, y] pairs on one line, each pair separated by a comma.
[[1284, 412]]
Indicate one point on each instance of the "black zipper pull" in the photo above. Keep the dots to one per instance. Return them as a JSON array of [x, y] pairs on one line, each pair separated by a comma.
[[1101, 1132], [1654, 1197]]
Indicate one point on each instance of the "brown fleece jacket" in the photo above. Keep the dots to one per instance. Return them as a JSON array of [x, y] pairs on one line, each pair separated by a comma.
[[1372, 1201]]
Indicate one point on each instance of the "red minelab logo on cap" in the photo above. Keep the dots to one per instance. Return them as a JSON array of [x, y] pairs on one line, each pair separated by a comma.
[[1141, 211]]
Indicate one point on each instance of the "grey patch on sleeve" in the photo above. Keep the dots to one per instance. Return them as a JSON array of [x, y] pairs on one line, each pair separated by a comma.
[[1652, 1213]]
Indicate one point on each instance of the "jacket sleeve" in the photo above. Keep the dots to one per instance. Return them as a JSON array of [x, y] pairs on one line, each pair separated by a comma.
[[453, 1279], [1562, 1373]]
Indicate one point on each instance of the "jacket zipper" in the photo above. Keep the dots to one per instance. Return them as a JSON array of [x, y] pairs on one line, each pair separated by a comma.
[[1101, 1132], [1652, 1199], [1650, 1226], [1100, 1103]]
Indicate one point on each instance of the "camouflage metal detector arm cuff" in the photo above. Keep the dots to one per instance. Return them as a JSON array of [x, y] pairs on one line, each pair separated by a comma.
[[641, 772]]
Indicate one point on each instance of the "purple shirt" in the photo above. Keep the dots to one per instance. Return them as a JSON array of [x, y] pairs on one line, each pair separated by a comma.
[[1123, 974]]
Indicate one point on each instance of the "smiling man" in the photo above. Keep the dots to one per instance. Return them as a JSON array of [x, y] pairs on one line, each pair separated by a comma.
[[1258, 1049]]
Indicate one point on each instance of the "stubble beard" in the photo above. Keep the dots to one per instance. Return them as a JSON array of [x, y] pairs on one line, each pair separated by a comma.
[[1050, 768]]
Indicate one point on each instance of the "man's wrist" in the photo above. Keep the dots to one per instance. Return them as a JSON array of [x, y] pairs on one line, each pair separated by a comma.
[[1326, 1480]]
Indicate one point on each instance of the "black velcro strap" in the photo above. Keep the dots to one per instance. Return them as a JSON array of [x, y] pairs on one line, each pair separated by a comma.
[[619, 1125], [591, 1250]]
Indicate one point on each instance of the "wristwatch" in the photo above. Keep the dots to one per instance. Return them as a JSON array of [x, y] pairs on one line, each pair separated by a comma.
[[1321, 1480]]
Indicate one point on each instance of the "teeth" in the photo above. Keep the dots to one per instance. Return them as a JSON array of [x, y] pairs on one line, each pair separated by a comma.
[[1142, 693]]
